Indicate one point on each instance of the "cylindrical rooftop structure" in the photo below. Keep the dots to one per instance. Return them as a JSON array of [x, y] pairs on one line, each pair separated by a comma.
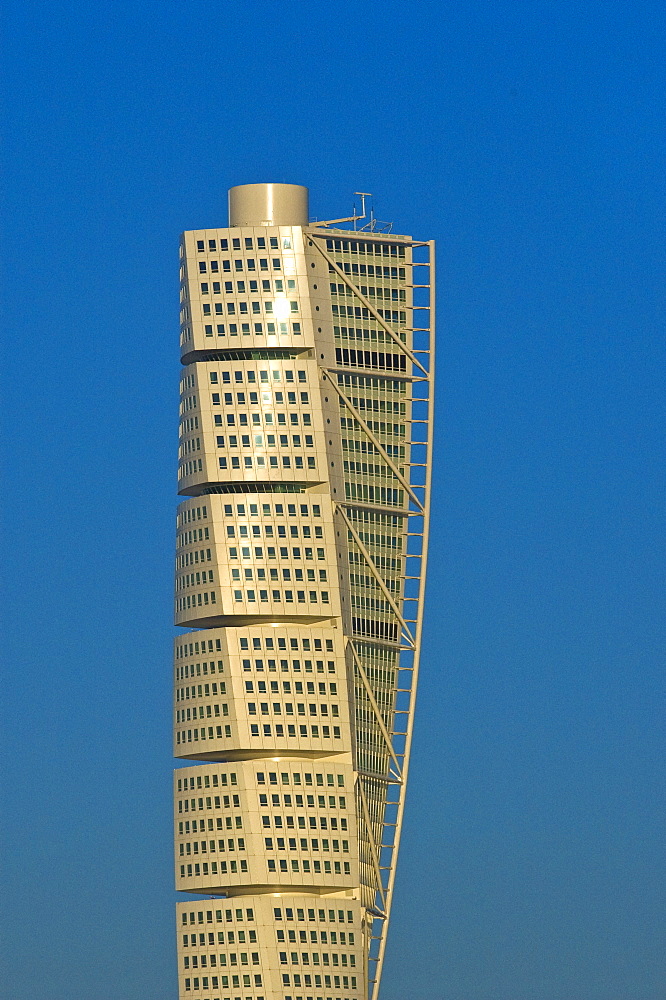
[[268, 205]]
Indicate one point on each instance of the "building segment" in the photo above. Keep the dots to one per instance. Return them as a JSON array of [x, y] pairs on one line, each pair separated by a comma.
[[304, 458]]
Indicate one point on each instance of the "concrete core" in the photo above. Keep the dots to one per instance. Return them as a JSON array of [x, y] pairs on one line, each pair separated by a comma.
[[268, 205]]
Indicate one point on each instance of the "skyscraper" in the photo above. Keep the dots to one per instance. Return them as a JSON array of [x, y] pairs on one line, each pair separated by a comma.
[[304, 457]]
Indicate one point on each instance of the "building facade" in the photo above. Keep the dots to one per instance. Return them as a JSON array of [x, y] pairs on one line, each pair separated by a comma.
[[304, 461]]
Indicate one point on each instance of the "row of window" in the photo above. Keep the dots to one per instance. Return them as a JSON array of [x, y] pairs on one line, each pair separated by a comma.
[[302, 731], [196, 601], [255, 530], [286, 778], [193, 735], [188, 381], [378, 426], [211, 824], [236, 243], [369, 336], [191, 670], [376, 604], [371, 629], [266, 286], [267, 396], [192, 847], [286, 687], [308, 867], [218, 916], [361, 580], [271, 461], [201, 940], [375, 539], [361, 312], [258, 642], [204, 781], [313, 709], [188, 538], [195, 580], [184, 694], [364, 447], [368, 405], [205, 824], [289, 997], [240, 264], [194, 557], [370, 292], [287, 822], [201, 804], [297, 441], [307, 958], [210, 961], [367, 469], [261, 596], [258, 553], [205, 599], [188, 848], [295, 778], [226, 981], [191, 715], [370, 382], [188, 580], [213, 711], [381, 562], [388, 520], [307, 981], [254, 354], [310, 801], [294, 642], [265, 418], [383, 495], [278, 844], [248, 574], [281, 418], [368, 248], [188, 514], [283, 307], [189, 424], [315, 936], [278, 308], [267, 510], [333, 916], [353, 358], [206, 869], [216, 732], [192, 536], [272, 329], [233, 937], [188, 445], [190, 468], [370, 270]]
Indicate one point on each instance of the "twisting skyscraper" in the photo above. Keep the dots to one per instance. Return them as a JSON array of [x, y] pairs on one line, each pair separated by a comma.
[[305, 428]]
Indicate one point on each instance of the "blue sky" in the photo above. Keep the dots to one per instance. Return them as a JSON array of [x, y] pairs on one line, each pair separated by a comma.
[[529, 141]]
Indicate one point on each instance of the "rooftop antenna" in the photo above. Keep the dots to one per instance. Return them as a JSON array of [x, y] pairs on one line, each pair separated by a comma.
[[350, 218], [362, 195]]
